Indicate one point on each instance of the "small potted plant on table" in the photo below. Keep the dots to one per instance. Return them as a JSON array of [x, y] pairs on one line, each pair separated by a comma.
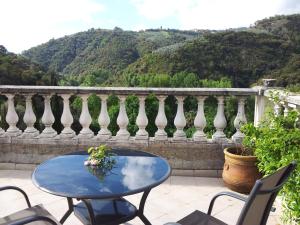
[[99, 156], [100, 161]]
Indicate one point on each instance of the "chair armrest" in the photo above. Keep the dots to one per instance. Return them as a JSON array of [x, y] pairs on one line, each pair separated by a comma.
[[230, 194], [225, 193], [30, 219], [19, 190]]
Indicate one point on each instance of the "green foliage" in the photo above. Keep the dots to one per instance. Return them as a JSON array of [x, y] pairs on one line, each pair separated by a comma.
[[111, 50], [181, 79], [277, 143], [17, 70], [270, 49], [100, 156], [243, 56], [95, 78]]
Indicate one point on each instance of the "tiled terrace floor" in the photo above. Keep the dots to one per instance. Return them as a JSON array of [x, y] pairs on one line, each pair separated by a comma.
[[172, 200]]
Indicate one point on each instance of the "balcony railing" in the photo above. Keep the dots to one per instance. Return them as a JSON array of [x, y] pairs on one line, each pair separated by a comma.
[[22, 145], [104, 134]]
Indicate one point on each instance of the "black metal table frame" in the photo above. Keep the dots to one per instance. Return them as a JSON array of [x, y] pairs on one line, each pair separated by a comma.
[[140, 211], [91, 211]]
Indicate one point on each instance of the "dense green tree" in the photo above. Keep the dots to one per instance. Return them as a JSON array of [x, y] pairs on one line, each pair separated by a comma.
[[17, 70]]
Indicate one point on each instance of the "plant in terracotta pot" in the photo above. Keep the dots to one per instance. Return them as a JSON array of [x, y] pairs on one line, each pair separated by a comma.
[[240, 171]]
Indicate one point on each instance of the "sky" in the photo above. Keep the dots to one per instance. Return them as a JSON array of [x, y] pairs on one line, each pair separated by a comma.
[[28, 23]]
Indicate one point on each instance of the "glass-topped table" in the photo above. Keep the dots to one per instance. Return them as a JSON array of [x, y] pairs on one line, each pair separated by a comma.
[[101, 191]]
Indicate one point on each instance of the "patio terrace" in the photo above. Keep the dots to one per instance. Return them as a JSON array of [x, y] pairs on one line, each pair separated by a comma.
[[195, 159], [197, 156], [168, 202]]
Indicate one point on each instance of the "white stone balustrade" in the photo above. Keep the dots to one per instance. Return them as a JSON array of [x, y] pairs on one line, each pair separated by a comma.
[[239, 120], [104, 120], [142, 120], [48, 119], [12, 117], [161, 120], [283, 100], [122, 120], [220, 122], [200, 121], [29, 119], [179, 121], [67, 118], [85, 120]]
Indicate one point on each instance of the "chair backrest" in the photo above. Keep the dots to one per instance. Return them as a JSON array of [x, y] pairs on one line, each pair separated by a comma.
[[258, 206]]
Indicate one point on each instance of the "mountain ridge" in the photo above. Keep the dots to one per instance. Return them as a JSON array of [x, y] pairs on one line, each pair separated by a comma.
[[245, 55]]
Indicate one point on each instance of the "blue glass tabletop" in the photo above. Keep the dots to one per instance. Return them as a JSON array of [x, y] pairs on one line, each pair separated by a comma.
[[133, 172]]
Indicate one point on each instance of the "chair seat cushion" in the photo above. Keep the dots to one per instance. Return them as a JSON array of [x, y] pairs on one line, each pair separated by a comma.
[[200, 218], [37, 210]]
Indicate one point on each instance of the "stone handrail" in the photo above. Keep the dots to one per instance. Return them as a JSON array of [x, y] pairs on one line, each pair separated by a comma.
[[283, 100], [104, 134]]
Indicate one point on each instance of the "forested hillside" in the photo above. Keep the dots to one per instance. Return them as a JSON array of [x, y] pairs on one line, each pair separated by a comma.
[[270, 48], [98, 49], [17, 70]]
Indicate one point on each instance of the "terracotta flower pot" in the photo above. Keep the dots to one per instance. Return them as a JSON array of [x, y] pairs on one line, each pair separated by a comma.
[[239, 172]]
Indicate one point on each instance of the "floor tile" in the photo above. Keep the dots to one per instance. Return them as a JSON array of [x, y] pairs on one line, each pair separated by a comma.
[[175, 198]]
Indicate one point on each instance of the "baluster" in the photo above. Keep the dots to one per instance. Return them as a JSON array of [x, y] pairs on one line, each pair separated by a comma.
[[85, 119], [29, 119], [12, 117], [122, 120], [48, 119], [277, 109], [142, 120], [220, 122], [161, 120], [200, 121], [286, 109], [179, 121], [239, 120], [67, 118], [104, 120]]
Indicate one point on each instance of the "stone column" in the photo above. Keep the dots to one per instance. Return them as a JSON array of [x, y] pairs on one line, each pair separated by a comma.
[[161, 120], [286, 108], [48, 119], [142, 120], [122, 120], [259, 109], [179, 121], [85, 120], [239, 120], [67, 118], [104, 120], [277, 109], [200, 121], [220, 122], [29, 119], [12, 117]]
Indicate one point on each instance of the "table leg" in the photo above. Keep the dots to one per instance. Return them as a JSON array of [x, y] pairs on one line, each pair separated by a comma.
[[90, 210], [141, 208], [70, 210]]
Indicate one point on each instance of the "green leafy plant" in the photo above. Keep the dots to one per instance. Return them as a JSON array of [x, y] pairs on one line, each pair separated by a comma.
[[252, 133], [100, 156], [276, 142]]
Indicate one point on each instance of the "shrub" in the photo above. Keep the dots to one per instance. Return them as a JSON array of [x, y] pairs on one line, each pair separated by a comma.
[[276, 143]]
